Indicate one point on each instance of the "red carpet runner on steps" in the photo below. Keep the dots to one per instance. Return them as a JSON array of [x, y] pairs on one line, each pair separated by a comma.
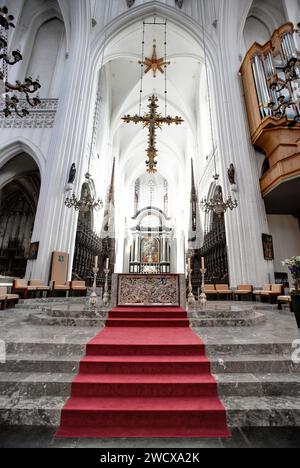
[[144, 375]]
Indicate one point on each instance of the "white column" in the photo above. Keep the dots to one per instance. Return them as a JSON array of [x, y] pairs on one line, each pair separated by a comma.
[[246, 224], [55, 225]]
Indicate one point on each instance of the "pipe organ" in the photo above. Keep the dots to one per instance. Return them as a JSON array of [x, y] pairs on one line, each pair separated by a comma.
[[271, 81]]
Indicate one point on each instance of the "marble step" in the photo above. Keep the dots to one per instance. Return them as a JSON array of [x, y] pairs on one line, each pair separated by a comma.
[[44, 319], [35, 385], [250, 320], [253, 364], [258, 385], [51, 300], [241, 411], [58, 347], [77, 314], [227, 364], [75, 319], [22, 384], [53, 348], [222, 313], [262, 411], [41, 363]]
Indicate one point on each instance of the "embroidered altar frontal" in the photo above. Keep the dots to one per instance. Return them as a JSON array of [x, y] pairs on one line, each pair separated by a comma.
[[148, 290]]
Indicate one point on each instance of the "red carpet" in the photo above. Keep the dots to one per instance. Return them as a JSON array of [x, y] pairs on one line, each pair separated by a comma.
[[144, 375]]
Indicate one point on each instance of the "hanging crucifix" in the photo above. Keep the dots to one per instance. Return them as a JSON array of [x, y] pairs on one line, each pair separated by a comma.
[[153, 120]]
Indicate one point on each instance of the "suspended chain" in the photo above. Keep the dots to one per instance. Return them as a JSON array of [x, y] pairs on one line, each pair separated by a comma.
[[166, 68], [208, 91], [142, 70]]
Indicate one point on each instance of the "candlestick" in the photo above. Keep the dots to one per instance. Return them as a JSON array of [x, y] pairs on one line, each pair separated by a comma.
[[191, 297], [96, 262], [93, 297], [202, 263], [106, 292], [107, 264], [203, 297]]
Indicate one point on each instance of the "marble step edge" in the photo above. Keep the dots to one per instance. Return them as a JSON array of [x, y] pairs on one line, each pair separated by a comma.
[[86, 312], [257, 319], [41, 319], [58, 348], [230, 365], [221, 313], [241, 411], [54, 300], [246, 385]]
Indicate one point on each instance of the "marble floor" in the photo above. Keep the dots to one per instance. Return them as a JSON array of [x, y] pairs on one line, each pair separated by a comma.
[[259, 383]]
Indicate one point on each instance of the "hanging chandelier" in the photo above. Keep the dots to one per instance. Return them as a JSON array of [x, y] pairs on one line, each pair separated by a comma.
[[8, 91], [216, 203], [86, 202]]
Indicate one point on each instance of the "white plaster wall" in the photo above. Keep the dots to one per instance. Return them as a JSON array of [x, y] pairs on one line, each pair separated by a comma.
[[286, 238], [46, 57], [255, 31]]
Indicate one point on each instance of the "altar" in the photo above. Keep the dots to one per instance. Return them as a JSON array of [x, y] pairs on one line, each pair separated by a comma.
[[148, 290]]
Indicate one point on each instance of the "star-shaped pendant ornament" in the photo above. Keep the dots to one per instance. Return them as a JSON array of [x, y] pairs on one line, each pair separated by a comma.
[[154, 63]]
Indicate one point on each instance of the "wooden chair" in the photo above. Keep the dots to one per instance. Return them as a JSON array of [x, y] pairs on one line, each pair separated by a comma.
[[276, 291], [7, 300], [61, 289], [223, 290], [284, 300], [2, 298], [40, 286], [266, 289], [21, 287], [78, 288], [244, 290], [210, 290]]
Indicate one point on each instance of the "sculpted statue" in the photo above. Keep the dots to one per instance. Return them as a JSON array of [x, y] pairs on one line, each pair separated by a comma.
[[231, 174], [130, 3], [72, 174]]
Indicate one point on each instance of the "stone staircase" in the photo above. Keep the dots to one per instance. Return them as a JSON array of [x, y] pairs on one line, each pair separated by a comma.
[[258, 382], [75, 315]]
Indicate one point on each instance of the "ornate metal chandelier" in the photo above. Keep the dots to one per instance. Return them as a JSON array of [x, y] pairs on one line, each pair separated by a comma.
[[86, 202], [7, 90], [216, 204]]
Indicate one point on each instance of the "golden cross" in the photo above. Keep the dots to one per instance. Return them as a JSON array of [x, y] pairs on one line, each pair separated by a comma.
[[153, 120], [154, 63]]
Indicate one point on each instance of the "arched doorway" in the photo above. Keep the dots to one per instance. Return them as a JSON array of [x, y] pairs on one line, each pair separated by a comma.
[[20, 183]]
